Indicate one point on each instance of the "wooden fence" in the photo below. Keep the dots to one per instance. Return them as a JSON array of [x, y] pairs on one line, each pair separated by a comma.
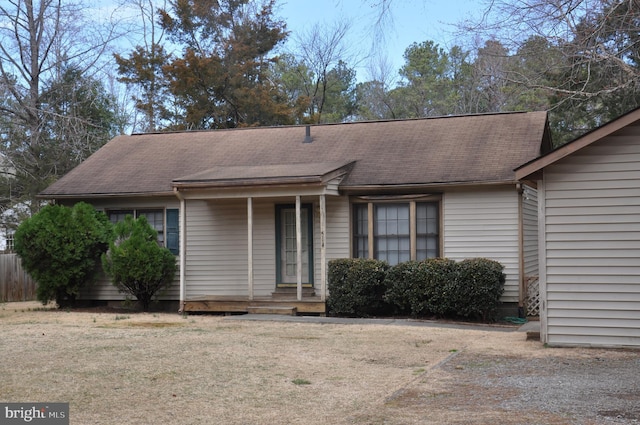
[[15, 283]]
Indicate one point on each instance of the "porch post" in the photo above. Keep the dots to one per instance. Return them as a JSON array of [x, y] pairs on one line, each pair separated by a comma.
[[250, 246], [182, 229], [323, 248], [298, 248]]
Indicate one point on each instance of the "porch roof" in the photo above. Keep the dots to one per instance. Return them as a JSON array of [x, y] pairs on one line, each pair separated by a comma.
[[264, 175]]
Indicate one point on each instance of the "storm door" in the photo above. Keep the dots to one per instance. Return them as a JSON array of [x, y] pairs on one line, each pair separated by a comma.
[[286, 249]]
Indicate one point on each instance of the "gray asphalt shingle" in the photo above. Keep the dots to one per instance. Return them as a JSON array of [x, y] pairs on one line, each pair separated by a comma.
[[446, 150]]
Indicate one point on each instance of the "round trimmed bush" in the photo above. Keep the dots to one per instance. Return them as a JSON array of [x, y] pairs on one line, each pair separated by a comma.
[[357, 287]]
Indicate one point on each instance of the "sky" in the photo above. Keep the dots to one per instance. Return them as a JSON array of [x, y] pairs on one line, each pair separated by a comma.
[[412, 21]]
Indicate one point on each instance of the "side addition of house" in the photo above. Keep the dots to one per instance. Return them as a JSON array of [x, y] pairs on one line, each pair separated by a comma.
[[589, 237]]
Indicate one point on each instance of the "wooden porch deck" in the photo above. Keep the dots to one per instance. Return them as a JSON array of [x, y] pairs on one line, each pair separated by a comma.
[[239, 304]]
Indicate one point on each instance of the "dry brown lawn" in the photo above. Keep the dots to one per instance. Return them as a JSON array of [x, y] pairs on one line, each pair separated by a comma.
[[155, 368]]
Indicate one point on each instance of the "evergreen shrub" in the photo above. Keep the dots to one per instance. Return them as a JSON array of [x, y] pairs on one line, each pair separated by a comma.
[[477, 291], [60, 247], [420, 288], [136, 263], [435, 287], [357, 287]]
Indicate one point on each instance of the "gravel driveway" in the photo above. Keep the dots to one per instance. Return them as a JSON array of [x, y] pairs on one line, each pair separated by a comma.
[[562, 386], [589, 387]]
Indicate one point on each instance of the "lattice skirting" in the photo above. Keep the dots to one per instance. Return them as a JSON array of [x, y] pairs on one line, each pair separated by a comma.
[[532, 299]]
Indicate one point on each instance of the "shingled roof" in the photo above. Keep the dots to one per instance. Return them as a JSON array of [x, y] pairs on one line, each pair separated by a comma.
[[431, 151]]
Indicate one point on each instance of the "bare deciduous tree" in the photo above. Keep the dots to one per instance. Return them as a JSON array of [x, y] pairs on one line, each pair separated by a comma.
[[141, 71], [594, 44], [321, 49], [40, 41]]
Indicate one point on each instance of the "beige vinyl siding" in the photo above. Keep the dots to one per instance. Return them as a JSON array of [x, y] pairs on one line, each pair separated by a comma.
[[264, 247], [592, 244], [338, 236], [103, 289], [216, 260], [217, 244], [484, 223]]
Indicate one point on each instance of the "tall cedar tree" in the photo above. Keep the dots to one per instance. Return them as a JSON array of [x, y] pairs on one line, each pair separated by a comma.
[[143, 68], [222, 78]]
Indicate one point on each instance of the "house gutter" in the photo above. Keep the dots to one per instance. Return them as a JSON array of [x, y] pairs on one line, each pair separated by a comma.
[[183, 248], [413, 187], [103, 195]]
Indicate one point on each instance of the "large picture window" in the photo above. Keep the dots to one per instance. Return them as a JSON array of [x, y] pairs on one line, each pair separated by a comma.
[[396, 231]]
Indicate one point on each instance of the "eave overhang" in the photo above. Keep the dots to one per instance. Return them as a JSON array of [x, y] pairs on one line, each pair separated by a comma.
[[533, 169], [409, 188], [68, 196]]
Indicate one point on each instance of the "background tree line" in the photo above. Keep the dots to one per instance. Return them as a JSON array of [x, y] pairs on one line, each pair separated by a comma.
[[74, 74]]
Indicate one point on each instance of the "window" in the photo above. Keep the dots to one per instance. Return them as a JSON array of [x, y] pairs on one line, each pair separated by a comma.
[[360, 229], [156, 219], [396, 231], [10, 242], [119, 215], [286, 244], [391, 234], [427, 235], [165, 222]]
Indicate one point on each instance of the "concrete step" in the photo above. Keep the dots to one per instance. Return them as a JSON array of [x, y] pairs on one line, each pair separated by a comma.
[[289, 293], [283, 310]]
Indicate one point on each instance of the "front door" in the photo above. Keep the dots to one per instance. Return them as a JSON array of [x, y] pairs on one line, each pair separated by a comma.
[[286, 249]]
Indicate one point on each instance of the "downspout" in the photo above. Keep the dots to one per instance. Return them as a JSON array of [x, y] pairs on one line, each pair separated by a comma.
[[182, 230], [542, 257], [521, 292]]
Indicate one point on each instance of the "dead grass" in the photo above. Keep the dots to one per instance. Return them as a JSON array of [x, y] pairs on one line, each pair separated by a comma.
[[171, 369]]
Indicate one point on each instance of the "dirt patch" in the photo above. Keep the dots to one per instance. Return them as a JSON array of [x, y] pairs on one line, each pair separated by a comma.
[[140, 368], [123, 323]]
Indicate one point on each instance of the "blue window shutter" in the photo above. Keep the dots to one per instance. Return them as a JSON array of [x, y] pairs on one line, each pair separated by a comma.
[[173, 231]]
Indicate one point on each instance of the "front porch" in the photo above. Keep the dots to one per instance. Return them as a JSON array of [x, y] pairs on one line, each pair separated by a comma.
[[255, 240], [265, 305]]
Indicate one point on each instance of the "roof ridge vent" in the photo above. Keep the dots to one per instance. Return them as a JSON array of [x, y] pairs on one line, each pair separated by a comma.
[[307, 134]]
